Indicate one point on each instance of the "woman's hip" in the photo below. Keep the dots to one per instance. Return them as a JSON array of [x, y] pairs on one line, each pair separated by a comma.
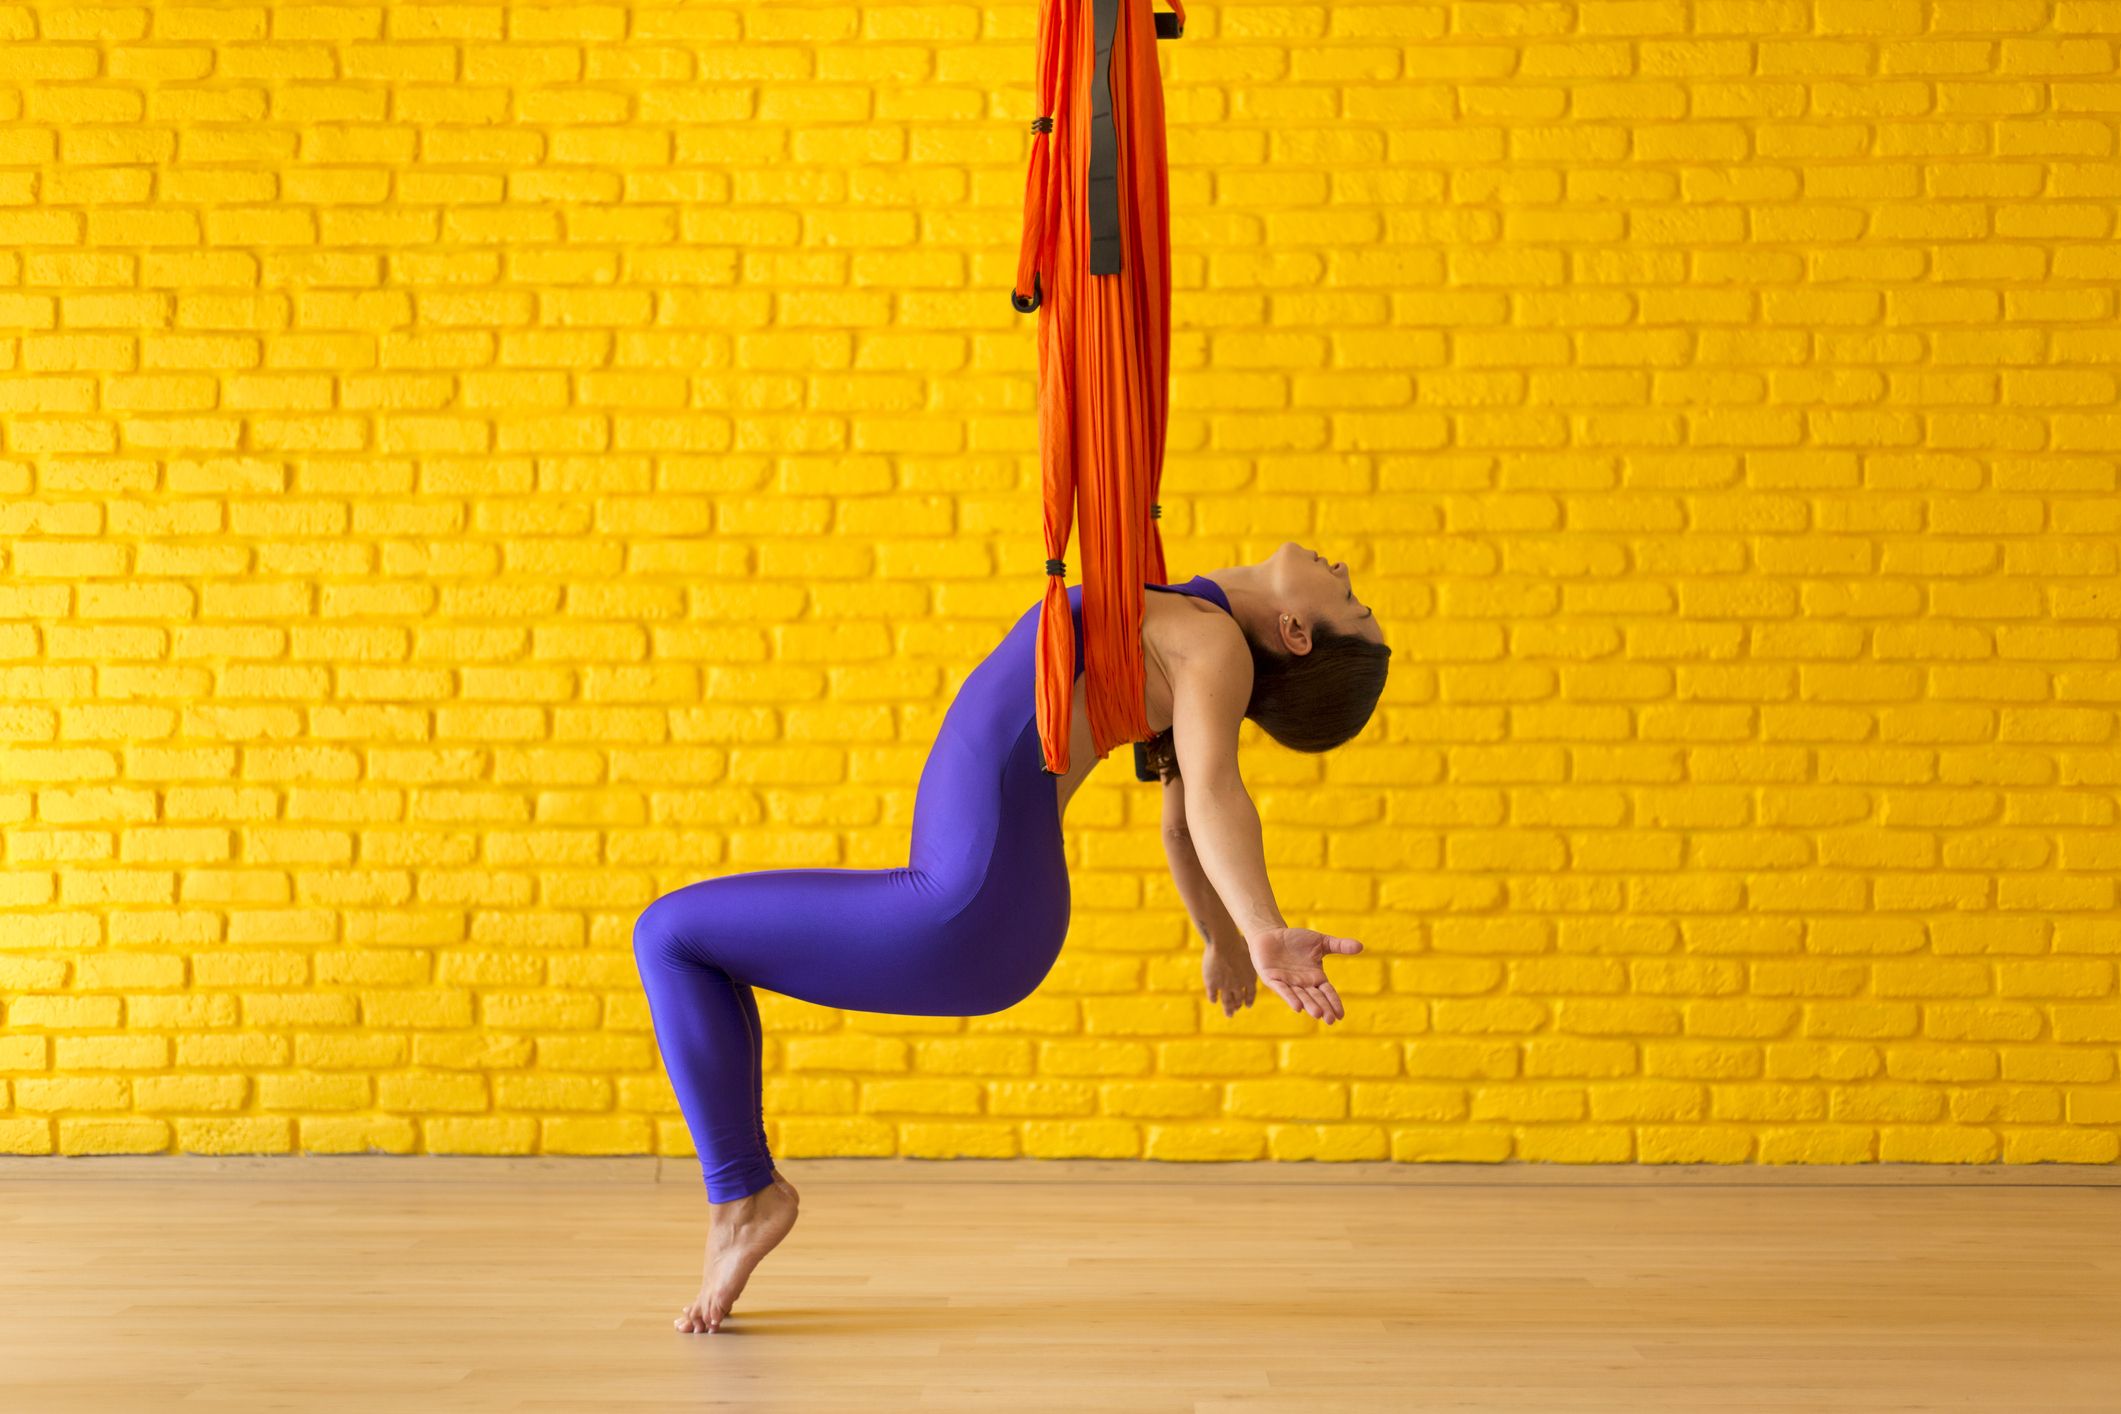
[[971, 926]]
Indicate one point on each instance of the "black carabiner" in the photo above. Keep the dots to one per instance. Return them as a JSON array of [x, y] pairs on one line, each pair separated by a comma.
[[1016, 301]]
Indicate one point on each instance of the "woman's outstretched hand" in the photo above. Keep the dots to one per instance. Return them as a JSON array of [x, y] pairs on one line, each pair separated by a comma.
[[1227, 969], [1287, 960]]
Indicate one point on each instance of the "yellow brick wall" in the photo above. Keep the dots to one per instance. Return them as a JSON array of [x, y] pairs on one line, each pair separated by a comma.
[[467, 469]]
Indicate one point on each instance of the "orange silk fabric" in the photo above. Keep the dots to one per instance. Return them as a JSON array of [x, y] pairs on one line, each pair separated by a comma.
[[1104, 357]]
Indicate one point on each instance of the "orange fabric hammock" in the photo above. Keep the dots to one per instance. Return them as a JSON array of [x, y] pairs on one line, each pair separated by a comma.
[[1096, 264]]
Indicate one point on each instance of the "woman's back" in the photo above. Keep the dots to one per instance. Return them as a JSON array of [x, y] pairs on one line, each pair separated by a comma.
[[1000, 696]]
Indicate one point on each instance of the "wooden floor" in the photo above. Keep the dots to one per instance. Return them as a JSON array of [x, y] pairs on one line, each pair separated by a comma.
[[422, 1284]]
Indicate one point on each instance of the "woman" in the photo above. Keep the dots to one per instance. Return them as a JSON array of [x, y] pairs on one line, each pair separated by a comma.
[[975, 920]]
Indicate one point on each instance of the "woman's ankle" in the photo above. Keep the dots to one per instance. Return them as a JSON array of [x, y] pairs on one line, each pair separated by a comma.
[[738, 1207]]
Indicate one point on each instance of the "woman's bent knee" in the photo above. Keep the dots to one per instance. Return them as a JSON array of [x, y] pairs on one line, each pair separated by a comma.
[[655, 936]]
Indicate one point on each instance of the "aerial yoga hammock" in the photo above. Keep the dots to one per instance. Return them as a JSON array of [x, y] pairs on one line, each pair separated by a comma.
[[1096, 262], [975, 920]]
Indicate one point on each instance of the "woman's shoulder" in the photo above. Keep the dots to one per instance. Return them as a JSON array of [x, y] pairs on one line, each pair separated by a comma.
[[1186, 626], [1198, 646]]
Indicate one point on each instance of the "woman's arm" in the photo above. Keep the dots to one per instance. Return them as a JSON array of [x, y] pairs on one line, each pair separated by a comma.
[[1226, 837], [1209, 694], [1225, 959], [1202, 902], [1210, 688]]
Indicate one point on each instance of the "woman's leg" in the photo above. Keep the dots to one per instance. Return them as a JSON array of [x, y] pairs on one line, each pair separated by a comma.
[[867, 940], [750, 1004], [706, 1026], [968, 928]]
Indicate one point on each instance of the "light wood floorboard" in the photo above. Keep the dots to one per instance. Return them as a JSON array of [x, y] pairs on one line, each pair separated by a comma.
[[420, 1283]]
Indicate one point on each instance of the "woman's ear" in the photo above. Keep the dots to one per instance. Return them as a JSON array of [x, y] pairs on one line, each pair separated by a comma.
[[1292, 635]]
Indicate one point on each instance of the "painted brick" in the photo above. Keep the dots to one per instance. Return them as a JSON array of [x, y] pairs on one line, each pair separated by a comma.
[[1714, 400]]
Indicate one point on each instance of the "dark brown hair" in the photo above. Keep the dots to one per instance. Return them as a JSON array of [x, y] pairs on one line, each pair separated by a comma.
[[1311, 701]]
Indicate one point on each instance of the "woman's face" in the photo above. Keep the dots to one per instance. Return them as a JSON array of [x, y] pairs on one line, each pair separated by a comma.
[[1315, 590]]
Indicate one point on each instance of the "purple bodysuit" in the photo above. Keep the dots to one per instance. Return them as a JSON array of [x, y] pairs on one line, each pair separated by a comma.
[[971, 925]]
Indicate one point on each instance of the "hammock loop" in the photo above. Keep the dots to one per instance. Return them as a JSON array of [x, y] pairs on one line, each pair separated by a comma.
[[1095, 263]]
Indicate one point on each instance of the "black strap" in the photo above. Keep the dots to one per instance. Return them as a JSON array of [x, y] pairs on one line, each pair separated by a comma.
[[1104, 148], [1103, 192]]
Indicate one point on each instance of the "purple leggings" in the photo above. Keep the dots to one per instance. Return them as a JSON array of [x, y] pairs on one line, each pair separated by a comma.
[[971, 925]]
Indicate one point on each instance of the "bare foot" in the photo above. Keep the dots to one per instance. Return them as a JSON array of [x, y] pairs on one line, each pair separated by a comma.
[[782, 1180], [744, 1232]]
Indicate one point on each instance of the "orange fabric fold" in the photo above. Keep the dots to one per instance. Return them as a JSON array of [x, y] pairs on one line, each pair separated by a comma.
[[1104, 356]]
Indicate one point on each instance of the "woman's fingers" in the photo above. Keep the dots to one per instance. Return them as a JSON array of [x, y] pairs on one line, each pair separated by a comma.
[[1231, 997], [1302, 983], [1297, 994], [1317, 1000], [1321, 1001]]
